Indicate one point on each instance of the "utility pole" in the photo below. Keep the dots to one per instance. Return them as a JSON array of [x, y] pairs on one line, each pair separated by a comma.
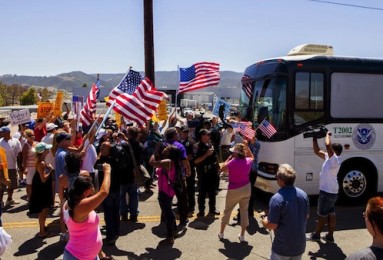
[[148, 40]]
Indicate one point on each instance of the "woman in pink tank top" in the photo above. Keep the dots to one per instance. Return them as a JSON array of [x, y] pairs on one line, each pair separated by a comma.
[[85, 239], [164, 159]]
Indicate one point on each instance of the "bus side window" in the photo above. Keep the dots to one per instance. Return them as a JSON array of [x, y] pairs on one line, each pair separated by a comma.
[[309, 97]]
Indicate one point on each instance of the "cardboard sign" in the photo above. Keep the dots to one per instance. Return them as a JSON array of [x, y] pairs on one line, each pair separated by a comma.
[[162, 110], [59, 103], [20, 117], [220, 102], [43, 109]]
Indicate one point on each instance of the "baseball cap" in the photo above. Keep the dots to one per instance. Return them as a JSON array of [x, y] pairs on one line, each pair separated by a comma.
[[41, 147], [51, 126], [203, 132], [63, 136], [5, 129], [101, 133], [184, 128]]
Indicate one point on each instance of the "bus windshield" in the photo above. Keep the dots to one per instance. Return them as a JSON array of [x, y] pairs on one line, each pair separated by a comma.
[[267, 100]]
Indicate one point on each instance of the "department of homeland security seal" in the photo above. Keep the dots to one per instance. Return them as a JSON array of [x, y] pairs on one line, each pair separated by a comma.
[[363, 136]]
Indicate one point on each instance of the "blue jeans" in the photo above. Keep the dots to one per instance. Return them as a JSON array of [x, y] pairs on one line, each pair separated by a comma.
[[165, 202], [111, 205], [275, 256], [132, 205]]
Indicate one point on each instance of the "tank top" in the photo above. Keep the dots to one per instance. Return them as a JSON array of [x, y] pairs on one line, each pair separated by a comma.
[[85, 240]]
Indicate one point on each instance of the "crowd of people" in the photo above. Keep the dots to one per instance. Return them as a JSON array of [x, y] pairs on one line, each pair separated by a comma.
[[93, 168]]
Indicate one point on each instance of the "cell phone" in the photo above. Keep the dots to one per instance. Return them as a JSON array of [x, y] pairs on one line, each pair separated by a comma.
[[100, 167]]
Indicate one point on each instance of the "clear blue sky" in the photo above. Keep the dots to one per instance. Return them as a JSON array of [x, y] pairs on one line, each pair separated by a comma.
[[45, 37]]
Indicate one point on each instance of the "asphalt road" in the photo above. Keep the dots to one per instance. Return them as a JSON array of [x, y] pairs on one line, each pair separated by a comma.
[[142, 240]]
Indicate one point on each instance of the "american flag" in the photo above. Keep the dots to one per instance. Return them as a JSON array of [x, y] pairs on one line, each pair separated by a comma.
[[267, 128], [86, 113], [244, 128], [246, 86], [199, 75], [141, 105], [127, 85]]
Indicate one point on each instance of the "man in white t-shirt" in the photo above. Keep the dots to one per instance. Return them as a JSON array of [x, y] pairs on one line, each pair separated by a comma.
[[51, 129], [328, 187], [227, 137], [12, 147]]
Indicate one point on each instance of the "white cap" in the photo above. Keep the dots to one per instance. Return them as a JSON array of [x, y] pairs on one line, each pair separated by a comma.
[[101, 133], [51, 126]]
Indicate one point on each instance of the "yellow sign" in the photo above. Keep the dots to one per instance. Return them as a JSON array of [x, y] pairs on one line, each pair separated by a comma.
[[59, 103], [118, 119], [162, 110], [3, 162], [43, 109]]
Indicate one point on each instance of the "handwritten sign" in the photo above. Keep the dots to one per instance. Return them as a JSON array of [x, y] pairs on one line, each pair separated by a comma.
[[59, 103], [162, 110], [43, 109], [20, 117]]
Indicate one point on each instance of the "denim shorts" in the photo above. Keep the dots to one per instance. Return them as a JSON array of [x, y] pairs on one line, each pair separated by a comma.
[[326, 203]]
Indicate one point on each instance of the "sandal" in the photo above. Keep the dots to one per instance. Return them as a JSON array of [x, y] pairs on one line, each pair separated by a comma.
[[107, 257]]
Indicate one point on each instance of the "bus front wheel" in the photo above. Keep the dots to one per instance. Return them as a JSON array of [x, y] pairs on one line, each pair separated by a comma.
[[355, 185]]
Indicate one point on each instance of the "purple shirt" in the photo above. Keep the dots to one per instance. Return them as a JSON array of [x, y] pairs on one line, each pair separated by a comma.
[[181, 147], [239, 170]]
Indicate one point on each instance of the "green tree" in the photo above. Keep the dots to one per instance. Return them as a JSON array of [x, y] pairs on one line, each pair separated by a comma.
[[84, 85], [28, 97], [46, 94]]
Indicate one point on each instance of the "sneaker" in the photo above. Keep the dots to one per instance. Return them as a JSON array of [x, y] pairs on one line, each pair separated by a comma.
[[241, 238], [214, 213], [200, 214], [313, 237], [328, 238], [11, 202], [220, 236], [64, 237]]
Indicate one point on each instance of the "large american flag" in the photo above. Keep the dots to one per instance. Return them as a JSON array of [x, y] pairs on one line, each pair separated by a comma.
[[127, 85], [141, 105], [267, 128], [199, 75], [246, 86], [86, 113]]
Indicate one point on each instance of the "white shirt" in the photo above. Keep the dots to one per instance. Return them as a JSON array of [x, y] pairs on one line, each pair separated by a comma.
[[226, 137], [328, 180], [48, 139], [12, 148], [89, 158]]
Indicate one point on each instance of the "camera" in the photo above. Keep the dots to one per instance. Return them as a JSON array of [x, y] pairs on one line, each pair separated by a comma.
[[315, 133]]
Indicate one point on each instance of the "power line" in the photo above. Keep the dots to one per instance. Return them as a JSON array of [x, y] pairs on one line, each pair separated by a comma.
[[350, 5]]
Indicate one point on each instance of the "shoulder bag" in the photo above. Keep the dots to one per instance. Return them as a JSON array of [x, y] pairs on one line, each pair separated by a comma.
[[141, 175]]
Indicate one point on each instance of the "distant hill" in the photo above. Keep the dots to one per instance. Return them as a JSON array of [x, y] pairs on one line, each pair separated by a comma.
[[77, 79]]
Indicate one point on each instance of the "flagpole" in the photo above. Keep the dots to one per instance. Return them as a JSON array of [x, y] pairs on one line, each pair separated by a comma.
[[179, 81], [105, 116]]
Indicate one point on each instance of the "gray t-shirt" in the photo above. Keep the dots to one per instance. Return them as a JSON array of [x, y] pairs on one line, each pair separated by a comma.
[[369, 253]]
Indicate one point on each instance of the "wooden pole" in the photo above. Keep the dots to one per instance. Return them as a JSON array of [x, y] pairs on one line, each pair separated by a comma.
[[149, 40]]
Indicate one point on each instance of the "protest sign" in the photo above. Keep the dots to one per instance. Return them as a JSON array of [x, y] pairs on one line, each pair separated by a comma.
[[59, 103], [20, 117], [162, 110], [226, 106], [43, 109]]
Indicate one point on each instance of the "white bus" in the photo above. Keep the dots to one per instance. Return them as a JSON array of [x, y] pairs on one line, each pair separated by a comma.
[[308, 88]]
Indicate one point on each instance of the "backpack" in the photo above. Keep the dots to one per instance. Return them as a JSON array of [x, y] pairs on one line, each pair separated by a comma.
[[121, 153]]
